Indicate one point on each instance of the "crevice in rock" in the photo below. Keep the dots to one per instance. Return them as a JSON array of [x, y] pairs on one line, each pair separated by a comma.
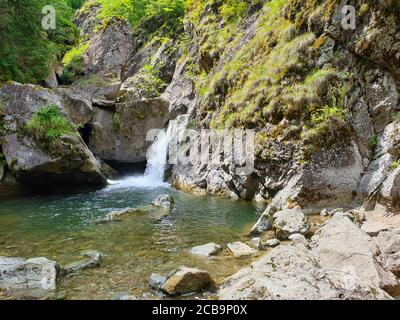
[[86, 132]]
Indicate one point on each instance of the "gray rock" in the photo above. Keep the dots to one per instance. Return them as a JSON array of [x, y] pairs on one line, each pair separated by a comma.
[[123, 136], [66, 163], [93, 260], [257, 243], [298, 239], [118, 215], [288, 222], [207, 250], [35, 273], [272, 243], [389, 246], [187, 280], [290, 272], [341, 245], [239, 249], [156, 281], [163, 201], [389, 194]]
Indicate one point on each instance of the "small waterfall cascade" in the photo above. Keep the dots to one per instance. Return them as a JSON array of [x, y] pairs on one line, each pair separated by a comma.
[[156, 162]]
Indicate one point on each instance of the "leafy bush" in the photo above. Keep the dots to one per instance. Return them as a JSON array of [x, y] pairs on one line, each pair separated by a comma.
[[234, 9], [26, 50], [48, 124], [395, 165], [116, 121], [327, 112]]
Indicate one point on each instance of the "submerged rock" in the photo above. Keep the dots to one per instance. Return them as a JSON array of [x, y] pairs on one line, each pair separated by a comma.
[[239, 249], [163, 201], [94, 259], [187, 280], [156, 281], [21, 274], [118, 215], [290, 221], [206, 250]]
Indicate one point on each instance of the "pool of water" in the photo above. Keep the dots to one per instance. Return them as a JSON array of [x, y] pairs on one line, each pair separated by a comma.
[[61, 227]]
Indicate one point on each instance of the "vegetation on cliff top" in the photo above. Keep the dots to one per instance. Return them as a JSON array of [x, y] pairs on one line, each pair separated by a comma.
[[27, 52], [48, 125]]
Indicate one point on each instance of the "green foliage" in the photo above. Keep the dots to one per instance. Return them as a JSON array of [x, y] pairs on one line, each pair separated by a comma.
[[136, 11], [48, 124], [116, 120], [395, 165], [373, 141], [26, 50], [75, 4], [327, 112], [73, 63], [233, 10]]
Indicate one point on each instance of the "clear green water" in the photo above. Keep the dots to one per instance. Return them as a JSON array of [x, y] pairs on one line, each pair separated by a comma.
[[60, 228]]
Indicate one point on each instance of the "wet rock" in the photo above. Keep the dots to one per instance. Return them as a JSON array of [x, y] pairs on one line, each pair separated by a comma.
[[156, 281], [272, 243], [187, 280], [239, 249], [288, 222], [163, 201], [125, 135], [257, 243], [290, 272], [93, 260], [21, 274], [207, 250], [389, 246], [341, 245], [118, 215]]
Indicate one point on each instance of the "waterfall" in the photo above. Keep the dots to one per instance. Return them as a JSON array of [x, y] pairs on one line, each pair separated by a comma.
[[155, 171]]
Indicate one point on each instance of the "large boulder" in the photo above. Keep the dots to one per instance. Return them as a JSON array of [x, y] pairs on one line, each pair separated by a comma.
[[65, 162], [121, 136], [35, 273], [187, 280], [240, 249], [290, 272], [389, 194], [342, 245], [289, 222], [389, 246]]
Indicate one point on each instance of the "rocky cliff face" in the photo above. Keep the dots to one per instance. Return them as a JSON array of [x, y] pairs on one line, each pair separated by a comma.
[[323, 100]]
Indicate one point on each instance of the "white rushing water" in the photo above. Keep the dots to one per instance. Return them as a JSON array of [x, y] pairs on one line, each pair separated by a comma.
[[155, 171]]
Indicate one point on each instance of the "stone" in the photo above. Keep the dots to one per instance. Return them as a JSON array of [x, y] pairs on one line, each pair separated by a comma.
[[187, 280], [389, 194], [389, 246], [21, 274], [272, 243], [290, 221], [118, 215], [341, 245], [156, 281], [93, 260], [373, 227], [207, 250], [257, 243], [125, 135], [239, 249], [125, 297], [67, 163], [265, 221], [109, 49], [298, 239], [163, 201], [292, 273]]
